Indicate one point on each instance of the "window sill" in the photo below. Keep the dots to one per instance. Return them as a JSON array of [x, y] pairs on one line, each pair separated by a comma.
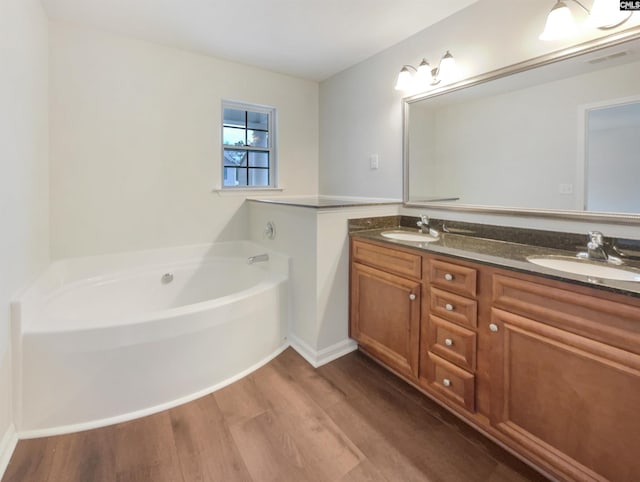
[[244, 191]]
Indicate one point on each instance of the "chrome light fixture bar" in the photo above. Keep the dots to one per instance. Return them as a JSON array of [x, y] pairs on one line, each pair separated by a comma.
[[604, 15], [414, 78]]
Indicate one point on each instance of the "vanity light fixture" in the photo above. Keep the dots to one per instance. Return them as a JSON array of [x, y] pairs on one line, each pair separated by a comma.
[[604, 14], [410, 77]]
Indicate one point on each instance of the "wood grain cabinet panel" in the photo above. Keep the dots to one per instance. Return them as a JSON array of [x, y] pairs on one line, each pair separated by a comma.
[[390, 260], [450, 382], [452, 342], [453, 277], [569, 400], [611, 321], [454, 307], [385, 317]]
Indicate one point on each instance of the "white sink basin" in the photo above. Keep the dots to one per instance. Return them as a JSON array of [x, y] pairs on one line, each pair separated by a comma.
[[407, 236], [585, 267]]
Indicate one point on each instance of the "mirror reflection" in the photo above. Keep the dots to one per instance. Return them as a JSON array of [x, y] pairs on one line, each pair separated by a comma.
[[563, 136]]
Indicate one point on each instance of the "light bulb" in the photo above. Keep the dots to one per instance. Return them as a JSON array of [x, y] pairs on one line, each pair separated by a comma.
[[447, 69], [559, 24], [606, 14], [405, 79], [423, 76]]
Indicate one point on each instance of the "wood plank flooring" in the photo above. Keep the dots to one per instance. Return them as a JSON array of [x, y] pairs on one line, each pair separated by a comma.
[[348, 421]]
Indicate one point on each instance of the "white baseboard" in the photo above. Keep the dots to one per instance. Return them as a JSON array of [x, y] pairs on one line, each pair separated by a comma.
[[7, 446], [318, 358]]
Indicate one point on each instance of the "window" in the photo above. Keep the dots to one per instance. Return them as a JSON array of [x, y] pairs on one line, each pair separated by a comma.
[[248, 145]]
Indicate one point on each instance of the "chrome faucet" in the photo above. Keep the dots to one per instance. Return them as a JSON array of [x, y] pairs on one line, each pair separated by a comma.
[[257, 258], [423, 224], [595, 246], [596, 250]]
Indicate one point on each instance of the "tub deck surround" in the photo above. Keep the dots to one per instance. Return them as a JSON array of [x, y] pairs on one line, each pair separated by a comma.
[[111, 338], [316, 240], [498, 246], [325, 202]]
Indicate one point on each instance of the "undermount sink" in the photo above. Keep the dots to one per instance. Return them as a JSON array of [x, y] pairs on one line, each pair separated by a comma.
[[586, 267], [407, 236]]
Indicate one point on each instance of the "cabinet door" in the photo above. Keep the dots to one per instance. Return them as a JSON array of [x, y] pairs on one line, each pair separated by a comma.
[[571, 402], [385, 317]]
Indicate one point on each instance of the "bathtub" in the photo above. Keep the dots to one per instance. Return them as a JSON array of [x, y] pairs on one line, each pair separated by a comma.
[[105, 339]]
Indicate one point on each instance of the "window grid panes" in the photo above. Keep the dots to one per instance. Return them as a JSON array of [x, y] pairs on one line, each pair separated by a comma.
[[248, 146]]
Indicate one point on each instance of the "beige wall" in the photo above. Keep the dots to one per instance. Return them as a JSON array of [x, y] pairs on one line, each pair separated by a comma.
[[135, 148], [24, 194]]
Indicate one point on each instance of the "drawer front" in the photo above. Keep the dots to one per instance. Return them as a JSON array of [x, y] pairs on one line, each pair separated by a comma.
[[387, 259], [452, 342], [453, 277], [454, 307], [606, 320], [450, 381]]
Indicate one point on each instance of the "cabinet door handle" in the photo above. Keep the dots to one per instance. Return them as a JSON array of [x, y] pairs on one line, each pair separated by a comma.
[[446, 382], [412, 297], [448, 276], [448, 342], [448, 307], [493, 327]]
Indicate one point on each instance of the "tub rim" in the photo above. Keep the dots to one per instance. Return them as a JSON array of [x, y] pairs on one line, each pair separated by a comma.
[[28, 305]]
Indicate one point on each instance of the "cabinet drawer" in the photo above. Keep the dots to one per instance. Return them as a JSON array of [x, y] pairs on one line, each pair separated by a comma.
[[450, 381], [607, 320], [454, 307], [453, 277], [452, 342], [386, 259]]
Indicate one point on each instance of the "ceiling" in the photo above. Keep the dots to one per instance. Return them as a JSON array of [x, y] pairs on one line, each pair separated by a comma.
[[311, 39]]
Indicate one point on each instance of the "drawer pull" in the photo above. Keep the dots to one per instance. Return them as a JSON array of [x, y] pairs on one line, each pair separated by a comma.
[[448, 307], [448, 277], [448, 342], [412, 297], [446, 382], [493, 327]]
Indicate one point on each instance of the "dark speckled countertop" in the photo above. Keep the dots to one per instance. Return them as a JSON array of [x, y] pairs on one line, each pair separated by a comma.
[[499, 253]]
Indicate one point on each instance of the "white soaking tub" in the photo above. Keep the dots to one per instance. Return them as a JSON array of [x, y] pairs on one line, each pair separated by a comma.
[[105, 339]]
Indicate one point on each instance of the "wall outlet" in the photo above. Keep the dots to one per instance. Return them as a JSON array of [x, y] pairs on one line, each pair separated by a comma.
[[565, 188], [374, 161]]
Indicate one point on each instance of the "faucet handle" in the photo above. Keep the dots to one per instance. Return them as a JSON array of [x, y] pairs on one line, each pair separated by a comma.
[[424, 220], [596, 239]]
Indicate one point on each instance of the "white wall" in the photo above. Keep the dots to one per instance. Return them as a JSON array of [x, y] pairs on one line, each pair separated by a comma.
[[360, 112], [318, 245], [135, 148], [24, 192]]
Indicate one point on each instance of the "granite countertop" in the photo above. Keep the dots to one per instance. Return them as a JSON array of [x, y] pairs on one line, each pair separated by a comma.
[[502, 254]]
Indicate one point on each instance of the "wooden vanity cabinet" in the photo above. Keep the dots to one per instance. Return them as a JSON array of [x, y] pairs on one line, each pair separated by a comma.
[[550, 369], [565, 377], [448, 344], [385, 305]]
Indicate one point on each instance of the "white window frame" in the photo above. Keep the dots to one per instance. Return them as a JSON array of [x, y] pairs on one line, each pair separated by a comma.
[[271, 149]]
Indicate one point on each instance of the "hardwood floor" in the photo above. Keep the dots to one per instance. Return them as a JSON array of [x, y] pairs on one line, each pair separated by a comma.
[[349, 420]]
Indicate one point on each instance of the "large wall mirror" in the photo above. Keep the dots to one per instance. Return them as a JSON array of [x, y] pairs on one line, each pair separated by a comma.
[[555, 136]]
